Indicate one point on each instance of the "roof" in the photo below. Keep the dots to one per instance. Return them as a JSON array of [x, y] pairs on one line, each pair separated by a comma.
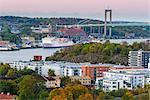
[[75, 77], [73, 32], [6, 97]]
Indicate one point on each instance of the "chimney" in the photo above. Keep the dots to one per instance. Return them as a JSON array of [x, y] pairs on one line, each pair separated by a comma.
[[8, 93]]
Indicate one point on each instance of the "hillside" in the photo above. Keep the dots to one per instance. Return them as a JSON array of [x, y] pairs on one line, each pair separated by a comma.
[[97, 53]]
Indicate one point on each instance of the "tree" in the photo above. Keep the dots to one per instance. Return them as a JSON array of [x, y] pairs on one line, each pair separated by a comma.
[[51, 72], [101, 96], [65, 80], [118, 93], [8, 86], [4, 69], [86, 96], [27, 88], [147, 87], [127, 96], [43, 94], [12, 73]]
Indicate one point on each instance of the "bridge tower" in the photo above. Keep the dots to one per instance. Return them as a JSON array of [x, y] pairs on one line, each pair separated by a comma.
[[108, 11]]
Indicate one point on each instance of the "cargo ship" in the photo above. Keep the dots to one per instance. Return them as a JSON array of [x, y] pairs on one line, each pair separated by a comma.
[[54, 42]]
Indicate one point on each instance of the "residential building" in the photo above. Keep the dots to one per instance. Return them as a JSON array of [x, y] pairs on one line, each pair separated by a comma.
[[42, 29], [95, 71], [149, 64], [118, 80], [117, 68], [99, 83], [71, 69], [52, 82], [139, 58], [85, 80]]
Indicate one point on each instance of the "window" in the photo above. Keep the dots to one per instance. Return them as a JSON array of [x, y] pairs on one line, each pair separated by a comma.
[[114, 82], [114, 86]]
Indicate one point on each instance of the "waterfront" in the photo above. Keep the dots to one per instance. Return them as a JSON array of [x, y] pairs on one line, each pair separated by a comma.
[[25, 54]]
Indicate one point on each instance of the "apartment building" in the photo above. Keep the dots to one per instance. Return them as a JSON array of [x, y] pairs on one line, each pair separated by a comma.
[[139, 58], [95, 71], [121, 80], [85, 80]]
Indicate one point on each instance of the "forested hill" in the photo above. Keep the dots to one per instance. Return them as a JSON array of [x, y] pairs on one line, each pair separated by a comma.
[[98, 53]]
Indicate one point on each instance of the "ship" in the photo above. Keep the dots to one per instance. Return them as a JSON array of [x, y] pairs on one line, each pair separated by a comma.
[[6, 46], [54, 42]]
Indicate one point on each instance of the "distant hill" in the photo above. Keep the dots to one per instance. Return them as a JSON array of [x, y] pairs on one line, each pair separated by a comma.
[[53, 21]]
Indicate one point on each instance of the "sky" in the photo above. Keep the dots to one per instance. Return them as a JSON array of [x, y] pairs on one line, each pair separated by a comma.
[[123, 10]]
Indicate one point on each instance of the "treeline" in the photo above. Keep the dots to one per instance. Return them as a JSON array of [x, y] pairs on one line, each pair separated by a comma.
[[26, 84], [98, 53], [80, 92]]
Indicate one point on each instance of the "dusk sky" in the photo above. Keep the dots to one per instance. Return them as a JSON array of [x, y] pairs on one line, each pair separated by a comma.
[[131, 10]]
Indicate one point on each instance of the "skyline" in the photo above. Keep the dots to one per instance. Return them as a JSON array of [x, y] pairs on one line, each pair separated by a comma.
[[123, 10]]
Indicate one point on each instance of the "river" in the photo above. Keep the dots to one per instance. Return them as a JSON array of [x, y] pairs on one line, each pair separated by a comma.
[[25, 54]]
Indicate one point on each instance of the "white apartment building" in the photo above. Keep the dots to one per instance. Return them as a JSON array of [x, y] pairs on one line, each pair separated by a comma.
[[139, 58], [115, 81], [149, 64], [42, 67], [71, 69]]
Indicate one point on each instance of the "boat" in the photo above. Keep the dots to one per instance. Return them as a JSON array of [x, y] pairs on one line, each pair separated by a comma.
[[54, 42], [5, 48]]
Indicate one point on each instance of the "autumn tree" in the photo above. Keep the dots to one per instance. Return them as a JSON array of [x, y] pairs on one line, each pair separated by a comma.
[[86, 96], [127, 96]]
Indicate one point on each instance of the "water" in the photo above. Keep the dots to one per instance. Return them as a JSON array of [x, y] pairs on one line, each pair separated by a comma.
[[25, 54]]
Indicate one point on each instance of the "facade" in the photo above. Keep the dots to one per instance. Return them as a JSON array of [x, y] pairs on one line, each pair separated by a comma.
[[52, 82], [115, 81], [139, 58], [42, 29], [71, 69], [149, 64], [99, 83], [95, 71], [85, 80]]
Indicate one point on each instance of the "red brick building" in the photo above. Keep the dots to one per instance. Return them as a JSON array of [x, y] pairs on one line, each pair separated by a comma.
[[94, 71]]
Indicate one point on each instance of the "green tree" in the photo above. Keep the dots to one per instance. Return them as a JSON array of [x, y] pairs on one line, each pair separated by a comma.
[[65, 80], [51, 72], [27, 88], [43, 94], [12, 73], [8, 86], [4, 69], [127, 96]]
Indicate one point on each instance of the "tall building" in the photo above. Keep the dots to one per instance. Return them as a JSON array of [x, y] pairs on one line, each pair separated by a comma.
[[139, 58], [149, 63]]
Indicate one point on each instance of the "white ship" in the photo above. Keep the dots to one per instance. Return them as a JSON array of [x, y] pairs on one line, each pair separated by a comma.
[[5, 48], [53, 42]]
